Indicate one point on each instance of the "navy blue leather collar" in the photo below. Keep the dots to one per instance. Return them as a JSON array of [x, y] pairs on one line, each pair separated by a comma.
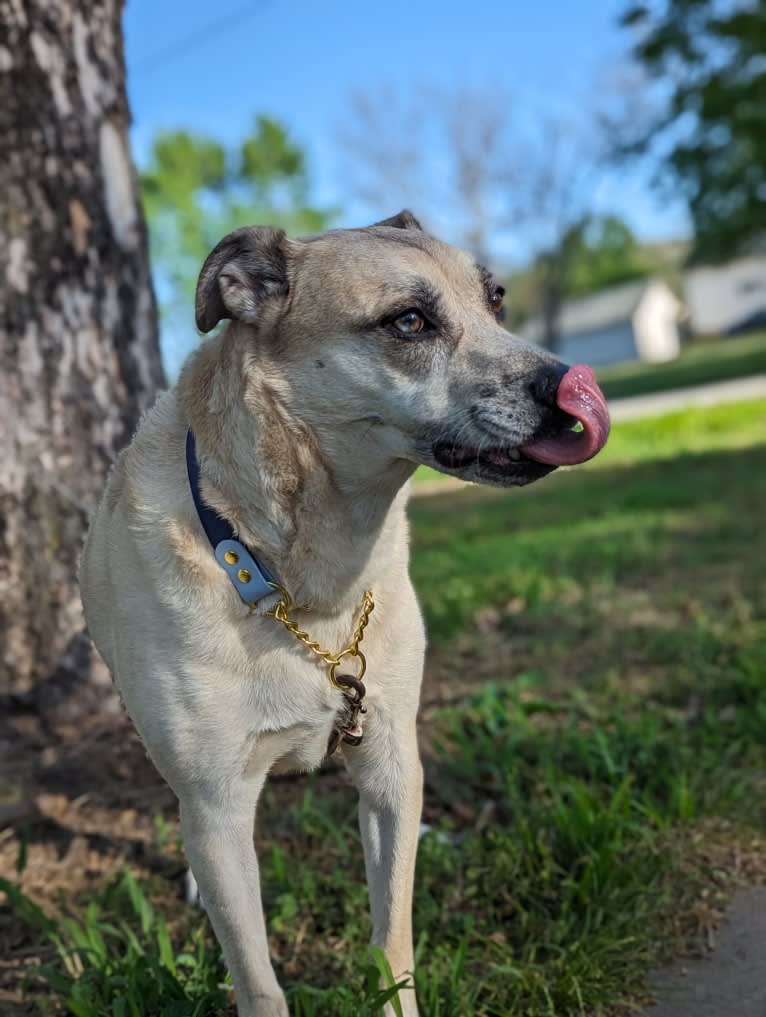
[[250, 579]]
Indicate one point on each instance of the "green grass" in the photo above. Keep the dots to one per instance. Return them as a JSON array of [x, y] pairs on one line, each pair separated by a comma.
[[117, 958], [701, 362], [666, 495], [595, 705], [716, 428]]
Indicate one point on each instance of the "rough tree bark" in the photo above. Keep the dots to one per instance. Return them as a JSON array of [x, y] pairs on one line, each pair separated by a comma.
[[79, 357]]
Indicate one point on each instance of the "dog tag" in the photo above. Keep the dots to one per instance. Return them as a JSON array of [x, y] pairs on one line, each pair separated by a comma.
[[351, 733]]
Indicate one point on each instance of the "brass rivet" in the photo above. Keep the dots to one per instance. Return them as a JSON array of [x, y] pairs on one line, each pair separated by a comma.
[[231, 557], [244, 576]]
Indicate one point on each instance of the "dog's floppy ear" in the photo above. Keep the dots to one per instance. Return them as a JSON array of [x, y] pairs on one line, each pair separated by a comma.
[[245, 268], [405, 220]]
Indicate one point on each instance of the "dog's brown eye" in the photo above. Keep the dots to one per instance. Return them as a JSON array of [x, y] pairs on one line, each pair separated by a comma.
[[496, 302], [409, 323]]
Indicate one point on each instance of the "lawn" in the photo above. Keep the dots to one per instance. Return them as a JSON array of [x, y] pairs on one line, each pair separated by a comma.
[[594, 732], [701, 362]]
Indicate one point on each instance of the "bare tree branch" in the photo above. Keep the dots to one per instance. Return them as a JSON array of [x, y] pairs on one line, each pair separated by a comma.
[[474, 172]]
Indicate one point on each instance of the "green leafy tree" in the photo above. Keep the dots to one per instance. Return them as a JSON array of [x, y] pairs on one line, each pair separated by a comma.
[[195, 190], [605, 253], [593, 253], [709, 118]]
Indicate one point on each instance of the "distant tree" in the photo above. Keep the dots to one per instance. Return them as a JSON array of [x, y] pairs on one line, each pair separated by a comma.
[[606, 253], [79, 358], [446, 154], [195, 189], [551, 270], [594, 253], [457, 157], [708, 118]]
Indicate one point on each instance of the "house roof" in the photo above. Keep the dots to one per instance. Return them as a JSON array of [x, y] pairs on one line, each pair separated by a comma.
[[595, 311]]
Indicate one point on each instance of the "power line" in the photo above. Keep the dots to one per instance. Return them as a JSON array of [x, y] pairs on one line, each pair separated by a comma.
[[220, 25]]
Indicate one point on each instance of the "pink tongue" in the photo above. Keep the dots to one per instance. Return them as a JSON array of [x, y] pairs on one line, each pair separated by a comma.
[[579, 396]]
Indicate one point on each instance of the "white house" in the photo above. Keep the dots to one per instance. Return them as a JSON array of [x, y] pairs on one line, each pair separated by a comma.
[[633, 321], [727, 298]]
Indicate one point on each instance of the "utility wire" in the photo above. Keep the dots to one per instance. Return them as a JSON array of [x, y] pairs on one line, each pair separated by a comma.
[[220, 25]]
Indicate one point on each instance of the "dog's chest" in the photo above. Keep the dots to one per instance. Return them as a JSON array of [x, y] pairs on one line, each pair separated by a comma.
[[277, 679], [262, 680], [326, 699], [290, 699]]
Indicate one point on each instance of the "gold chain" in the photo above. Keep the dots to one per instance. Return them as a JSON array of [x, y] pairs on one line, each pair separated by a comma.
[[282, 613]]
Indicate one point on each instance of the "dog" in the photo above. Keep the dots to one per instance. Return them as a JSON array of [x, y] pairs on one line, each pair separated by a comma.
[[245, 576]]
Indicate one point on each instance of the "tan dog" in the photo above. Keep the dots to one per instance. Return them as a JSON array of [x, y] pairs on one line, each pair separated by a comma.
[[352, 358]]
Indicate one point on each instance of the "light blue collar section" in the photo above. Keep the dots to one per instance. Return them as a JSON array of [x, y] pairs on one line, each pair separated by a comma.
[[250, 579], [243, 570]]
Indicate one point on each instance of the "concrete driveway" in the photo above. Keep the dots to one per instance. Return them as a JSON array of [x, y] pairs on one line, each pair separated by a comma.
[[656, 403], [731, 980]]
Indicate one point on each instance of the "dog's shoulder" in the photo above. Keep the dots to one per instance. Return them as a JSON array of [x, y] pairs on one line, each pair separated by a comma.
[[147, 485], [151, 472]]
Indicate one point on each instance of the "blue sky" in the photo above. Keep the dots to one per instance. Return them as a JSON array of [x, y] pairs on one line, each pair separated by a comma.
[[211, 67]]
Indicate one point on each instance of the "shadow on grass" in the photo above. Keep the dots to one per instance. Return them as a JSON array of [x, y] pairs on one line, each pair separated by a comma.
[[587, 530]]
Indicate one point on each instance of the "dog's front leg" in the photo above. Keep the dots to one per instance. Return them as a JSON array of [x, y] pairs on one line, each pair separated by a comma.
[[217, 833], [387, 772]]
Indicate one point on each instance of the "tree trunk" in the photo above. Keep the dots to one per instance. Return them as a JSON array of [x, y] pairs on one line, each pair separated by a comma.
[[79, 356], [551, 299], [555, 267]]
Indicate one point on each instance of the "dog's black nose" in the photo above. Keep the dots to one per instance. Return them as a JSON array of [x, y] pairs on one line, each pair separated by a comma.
[[546, 381]]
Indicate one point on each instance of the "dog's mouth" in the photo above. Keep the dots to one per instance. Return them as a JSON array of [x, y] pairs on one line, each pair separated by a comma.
[[490, 465], [582, 431]]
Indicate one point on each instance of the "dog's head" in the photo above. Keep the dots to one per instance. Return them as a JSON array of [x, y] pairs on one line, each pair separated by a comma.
[[392, 337]]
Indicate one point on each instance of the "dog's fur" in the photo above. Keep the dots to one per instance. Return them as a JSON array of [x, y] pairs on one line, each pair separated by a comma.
[[311, 411]]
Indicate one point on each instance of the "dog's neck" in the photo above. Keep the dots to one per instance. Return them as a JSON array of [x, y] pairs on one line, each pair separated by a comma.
[[301, 500]]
